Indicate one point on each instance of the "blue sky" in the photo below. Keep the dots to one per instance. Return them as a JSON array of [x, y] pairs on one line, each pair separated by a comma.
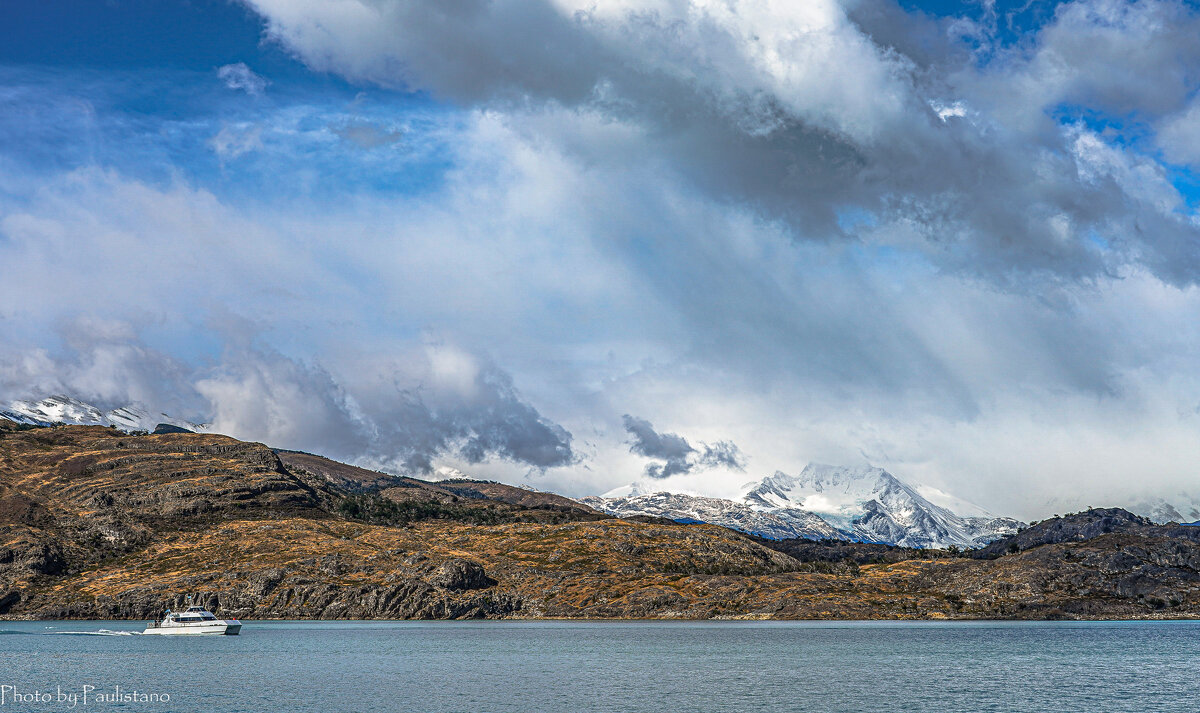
[[958, 240], [135, 86]]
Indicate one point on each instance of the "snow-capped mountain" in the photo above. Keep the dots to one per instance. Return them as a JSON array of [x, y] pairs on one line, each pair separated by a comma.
[[64, 409], [777, 524], [1182, 508], [825, 502], [872, 505]]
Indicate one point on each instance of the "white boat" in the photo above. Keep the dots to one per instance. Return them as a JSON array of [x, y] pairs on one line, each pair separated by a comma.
[[193, 620]]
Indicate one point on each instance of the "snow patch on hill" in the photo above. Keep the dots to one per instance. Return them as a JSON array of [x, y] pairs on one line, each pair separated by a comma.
[[64, 409]]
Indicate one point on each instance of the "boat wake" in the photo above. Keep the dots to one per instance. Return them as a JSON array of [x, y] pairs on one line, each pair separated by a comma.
[[101, 632]]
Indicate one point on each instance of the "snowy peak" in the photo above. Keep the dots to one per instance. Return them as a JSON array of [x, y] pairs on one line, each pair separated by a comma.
[[838, 493], [1178, 507], [64, 409], [827, 502], [778, 524], [871, 504], [57, 409]]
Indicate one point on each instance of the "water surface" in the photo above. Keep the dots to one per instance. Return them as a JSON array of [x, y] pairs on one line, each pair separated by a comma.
[[434, 667]]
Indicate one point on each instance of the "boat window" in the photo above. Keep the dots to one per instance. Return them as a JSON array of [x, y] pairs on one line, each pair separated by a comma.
[[209, 617], [189, 618]]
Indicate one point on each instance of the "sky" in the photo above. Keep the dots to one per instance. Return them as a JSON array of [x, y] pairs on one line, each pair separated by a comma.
[[573, 244]]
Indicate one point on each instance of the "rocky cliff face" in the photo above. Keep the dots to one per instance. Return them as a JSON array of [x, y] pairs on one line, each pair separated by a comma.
[[98, 523]]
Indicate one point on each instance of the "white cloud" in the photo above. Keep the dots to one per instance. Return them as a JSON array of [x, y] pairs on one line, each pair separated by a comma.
[[240, 77], [1179, 136], [795, 110], [367, 135], [233, 141]]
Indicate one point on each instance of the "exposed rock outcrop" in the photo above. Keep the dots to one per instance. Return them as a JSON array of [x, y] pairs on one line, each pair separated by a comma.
[[458, 574]]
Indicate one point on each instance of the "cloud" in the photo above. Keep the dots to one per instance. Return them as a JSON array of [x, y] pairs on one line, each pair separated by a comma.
[[679, 455], [1179, 135], [454, 401], [235, 141], [722, 454], [441, 401], [803, 112], [261, 395], [240, 77], [368, 135], [672, 448], [403, 415], [103, 363]]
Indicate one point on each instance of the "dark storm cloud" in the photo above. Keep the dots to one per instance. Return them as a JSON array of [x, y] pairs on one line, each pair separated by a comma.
[[862, 122], [679, 455], [652, 444], [669, 447], [495, 422], [722, 454]]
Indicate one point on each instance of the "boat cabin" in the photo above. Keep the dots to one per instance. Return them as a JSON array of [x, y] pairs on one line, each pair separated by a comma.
[[192, 614]]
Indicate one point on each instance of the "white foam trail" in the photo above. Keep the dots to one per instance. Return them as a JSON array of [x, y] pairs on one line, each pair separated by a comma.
[[101, 632]]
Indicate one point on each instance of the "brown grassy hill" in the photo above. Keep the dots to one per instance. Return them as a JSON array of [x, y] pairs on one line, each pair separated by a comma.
[[95, 523]]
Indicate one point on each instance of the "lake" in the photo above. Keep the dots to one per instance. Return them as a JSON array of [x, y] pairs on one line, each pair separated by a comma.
[[344, 667]]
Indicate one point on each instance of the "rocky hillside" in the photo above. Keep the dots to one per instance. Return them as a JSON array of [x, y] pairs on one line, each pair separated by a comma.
[[1072, 528], [99, 523]]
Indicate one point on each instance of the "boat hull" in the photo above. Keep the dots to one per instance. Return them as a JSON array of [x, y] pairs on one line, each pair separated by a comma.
[[216, 628]]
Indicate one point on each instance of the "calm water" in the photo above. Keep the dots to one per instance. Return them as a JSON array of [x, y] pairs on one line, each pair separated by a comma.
[[339, 667]]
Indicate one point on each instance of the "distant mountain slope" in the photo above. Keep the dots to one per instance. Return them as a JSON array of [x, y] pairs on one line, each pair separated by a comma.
[[872, 505], [778, 524], [70, 411]]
